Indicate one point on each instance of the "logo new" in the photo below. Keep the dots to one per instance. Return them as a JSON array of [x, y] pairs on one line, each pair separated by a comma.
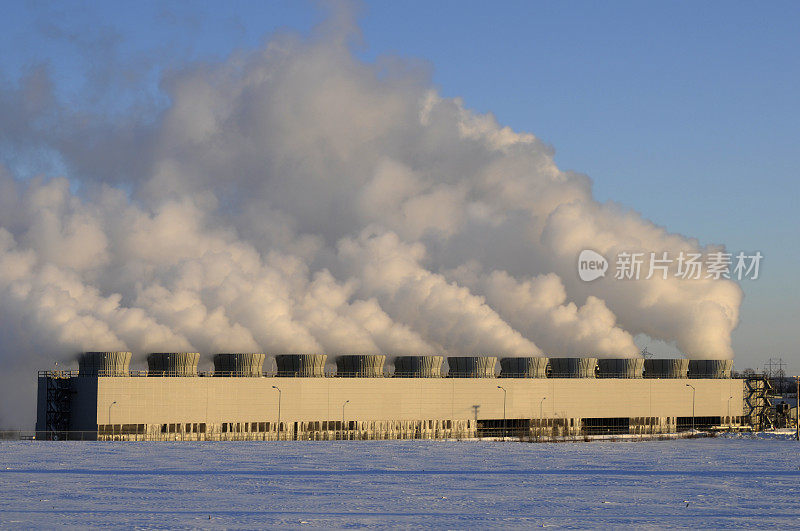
[[591, 265]]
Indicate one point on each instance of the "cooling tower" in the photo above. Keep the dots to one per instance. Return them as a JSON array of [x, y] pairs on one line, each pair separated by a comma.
[[369, 366], [418, 366], [471, 366], [710, 368], [573, 367], [239, 364], [528, 367], [620, 368], [104, 364], [172, 364], [666, 368], [301, 365]]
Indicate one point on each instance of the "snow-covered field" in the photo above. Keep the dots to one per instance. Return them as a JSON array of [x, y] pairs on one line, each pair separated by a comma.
[[711, 483]]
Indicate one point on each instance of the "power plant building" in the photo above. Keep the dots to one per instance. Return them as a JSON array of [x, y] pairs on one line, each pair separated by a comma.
[[478, 396]]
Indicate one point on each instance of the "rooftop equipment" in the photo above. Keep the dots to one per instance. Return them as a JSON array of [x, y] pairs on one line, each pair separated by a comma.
[[360, 366], [471, 366], [251, 365], [418, 366], [104, 364], [526, 367], [573, 367], [301, 365], [172, 364], [710, 368], [666, 368], [620, 368]]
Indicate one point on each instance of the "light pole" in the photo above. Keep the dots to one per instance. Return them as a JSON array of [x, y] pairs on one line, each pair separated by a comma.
[[345, 403], [109, 411], [693, 391], [797, 408], [729, 412], [541, 403], [279, 409], [504, 409]]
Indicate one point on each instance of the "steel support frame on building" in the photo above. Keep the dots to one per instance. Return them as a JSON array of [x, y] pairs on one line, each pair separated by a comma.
[[59, 396], [756, 401]]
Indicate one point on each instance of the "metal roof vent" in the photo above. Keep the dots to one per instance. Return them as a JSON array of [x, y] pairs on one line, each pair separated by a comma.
[[573, 367], [104, 364], [710, 368], [301, 365], [360, 366], [172, 364], [418, 366], [251, 365], [666, 368], [471, 366], [526, 367], [620, 367]]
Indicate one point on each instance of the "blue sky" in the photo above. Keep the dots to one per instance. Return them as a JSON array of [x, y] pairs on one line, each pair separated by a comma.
[[684, 111]]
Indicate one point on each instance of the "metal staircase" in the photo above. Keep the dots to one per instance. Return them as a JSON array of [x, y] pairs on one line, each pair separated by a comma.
[[59, 395], [756, 402]]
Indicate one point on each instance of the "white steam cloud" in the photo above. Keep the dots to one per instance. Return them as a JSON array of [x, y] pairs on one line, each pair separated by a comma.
[[297, 199]]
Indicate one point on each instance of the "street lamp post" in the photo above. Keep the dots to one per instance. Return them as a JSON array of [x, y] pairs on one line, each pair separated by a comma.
[[729, 412], [541, 403], [109, 413], [345, 403], [279, 409], [797, 409], [693, 392], [504, 409]]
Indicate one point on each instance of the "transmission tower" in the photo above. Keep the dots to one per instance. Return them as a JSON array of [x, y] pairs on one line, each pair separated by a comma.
[[774, 368]]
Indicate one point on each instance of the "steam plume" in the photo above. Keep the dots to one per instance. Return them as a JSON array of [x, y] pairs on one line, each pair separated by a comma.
[[297, 199]]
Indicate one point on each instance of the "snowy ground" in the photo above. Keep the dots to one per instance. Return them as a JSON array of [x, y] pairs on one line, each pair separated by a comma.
[[711, 483]]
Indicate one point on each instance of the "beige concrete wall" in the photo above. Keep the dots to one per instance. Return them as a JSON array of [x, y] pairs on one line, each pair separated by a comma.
[[214, 400]]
